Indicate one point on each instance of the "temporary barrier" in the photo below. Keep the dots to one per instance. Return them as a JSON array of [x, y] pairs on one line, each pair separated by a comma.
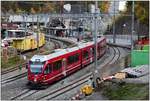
[[146, 47], [139, 57], [137, 71]]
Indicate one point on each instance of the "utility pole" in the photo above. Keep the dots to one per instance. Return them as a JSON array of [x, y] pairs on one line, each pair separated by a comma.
[[25, 25], [38, 30], [132, 25], [32, 23], [95, 71], [114, 35]]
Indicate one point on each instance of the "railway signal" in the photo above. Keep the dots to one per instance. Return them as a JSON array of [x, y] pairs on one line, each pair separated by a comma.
[[38, 31]]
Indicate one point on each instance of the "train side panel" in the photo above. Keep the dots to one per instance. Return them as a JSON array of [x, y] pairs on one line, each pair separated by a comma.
[[87, 55]]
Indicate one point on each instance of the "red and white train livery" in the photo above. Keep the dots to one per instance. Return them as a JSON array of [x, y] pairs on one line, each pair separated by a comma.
[[45, 69]]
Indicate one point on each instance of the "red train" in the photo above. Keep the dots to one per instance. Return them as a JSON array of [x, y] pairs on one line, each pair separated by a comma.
[[45, 69]]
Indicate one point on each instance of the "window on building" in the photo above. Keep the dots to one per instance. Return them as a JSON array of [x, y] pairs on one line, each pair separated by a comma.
[[57, 65], [48, 69]]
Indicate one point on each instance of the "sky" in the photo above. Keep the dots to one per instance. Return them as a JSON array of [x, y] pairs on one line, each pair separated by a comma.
[[122, 5]]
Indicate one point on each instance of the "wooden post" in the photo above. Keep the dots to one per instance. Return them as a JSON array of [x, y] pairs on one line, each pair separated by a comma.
[[5, 54]]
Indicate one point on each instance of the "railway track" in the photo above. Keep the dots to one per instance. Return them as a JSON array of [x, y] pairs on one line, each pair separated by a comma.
[[61, 90], [12, 69], [25, 93], [11, 79]]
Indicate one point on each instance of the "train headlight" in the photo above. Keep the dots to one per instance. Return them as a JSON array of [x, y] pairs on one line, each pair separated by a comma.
[[35, 79]]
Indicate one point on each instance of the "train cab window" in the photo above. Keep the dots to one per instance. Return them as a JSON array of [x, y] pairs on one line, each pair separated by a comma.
[[48, 69], [85, 54], [57, 65], [73, 59], [36, 67]]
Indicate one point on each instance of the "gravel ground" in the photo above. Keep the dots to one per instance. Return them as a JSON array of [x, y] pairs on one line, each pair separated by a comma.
[[13, 88]]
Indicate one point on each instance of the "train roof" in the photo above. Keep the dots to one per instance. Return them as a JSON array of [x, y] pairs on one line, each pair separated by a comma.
[[59, 52]]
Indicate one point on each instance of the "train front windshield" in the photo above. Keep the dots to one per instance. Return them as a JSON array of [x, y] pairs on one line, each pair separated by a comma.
[[36, 67]]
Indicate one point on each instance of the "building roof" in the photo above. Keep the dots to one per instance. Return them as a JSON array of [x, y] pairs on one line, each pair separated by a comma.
[[28, 18]]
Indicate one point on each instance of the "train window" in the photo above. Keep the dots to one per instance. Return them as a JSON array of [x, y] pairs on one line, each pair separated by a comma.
[[48, 69], [85, 54], [73, 59], [70, 59], [92, 50], [76, 57], [57, 65], [10, 34], [20, 34]]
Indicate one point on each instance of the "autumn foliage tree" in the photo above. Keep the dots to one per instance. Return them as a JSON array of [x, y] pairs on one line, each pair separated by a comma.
[[32, 10], [141, 11], [104, 6], [48, 7]]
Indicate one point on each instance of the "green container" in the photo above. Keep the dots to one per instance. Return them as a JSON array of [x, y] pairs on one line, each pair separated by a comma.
[[139, 57], [146, 47]]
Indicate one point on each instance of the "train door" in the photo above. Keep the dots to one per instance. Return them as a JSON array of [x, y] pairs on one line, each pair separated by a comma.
[[85, 57], [48, 72], [64, 67], [92, 54], [57, 69], [99, 50]]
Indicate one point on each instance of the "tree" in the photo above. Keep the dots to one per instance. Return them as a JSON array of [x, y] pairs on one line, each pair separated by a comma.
[[104, 6], [32, 10], [141, 10], [18, 11], [49, 7]]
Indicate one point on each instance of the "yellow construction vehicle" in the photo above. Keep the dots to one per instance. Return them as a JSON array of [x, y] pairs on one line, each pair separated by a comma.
[[29, 41]]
